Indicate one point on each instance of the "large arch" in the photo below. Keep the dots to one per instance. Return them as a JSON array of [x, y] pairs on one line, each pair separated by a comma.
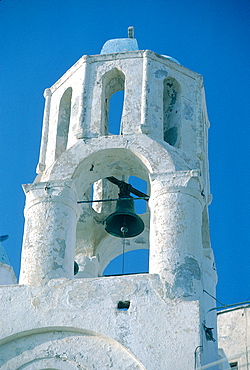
[[89, 161], [97, 166], [66, 348], [152, 156], [108, 162]]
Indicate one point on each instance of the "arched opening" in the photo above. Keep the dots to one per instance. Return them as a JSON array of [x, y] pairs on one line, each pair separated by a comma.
[[95, 246], [133, 262], [115, 113], [171, 112], [90, 163], [112, 102], [63, 123]]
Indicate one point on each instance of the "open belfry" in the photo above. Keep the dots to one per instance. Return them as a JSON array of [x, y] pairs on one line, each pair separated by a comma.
[[79, 212]]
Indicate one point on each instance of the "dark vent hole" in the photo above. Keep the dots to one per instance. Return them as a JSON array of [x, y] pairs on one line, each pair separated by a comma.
[[123, 305], [76, 268]]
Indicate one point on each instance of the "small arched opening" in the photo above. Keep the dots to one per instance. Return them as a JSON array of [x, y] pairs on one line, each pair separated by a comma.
[[112, 102], [171, 112]]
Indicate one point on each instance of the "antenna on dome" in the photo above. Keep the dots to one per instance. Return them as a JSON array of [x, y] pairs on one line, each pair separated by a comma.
[[131, 32]]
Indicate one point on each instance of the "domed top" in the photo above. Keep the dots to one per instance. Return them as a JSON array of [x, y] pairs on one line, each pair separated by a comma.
[[121, 45]]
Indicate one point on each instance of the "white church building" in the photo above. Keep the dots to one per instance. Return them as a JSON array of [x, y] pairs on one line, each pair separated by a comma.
[[64, 314]]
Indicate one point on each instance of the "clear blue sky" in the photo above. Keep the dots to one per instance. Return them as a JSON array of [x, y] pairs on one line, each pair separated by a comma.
[[41, 39]]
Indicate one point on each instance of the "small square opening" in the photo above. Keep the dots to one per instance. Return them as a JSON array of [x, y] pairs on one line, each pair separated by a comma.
[[123, 305], [234, 365]]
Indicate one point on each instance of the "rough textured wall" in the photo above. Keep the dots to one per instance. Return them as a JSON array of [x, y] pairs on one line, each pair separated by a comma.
[[78, 322]]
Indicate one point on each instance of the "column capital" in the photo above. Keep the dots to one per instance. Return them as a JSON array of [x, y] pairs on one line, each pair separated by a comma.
[[51, 191], [187, 182], [176, 176]]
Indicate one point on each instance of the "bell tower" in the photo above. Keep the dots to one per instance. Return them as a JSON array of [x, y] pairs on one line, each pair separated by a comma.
[[78, 318]]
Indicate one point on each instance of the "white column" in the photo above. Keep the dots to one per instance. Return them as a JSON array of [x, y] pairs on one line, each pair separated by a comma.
[[83, 130], [48, 250], [45, 130], [175, 232], [145, 127]]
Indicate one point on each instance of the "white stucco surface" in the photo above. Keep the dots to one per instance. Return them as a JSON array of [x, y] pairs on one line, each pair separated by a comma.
[[79, 319]]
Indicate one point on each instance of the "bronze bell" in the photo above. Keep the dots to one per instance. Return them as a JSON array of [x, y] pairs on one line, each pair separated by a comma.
[[124, 222]]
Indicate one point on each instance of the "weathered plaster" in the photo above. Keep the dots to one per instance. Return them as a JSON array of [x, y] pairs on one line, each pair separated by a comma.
[[144, 74], [51, 212], [79, 320]]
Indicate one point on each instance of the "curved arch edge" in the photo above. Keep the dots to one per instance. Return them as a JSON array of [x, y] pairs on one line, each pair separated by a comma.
[[73, 330], [153, 155]]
